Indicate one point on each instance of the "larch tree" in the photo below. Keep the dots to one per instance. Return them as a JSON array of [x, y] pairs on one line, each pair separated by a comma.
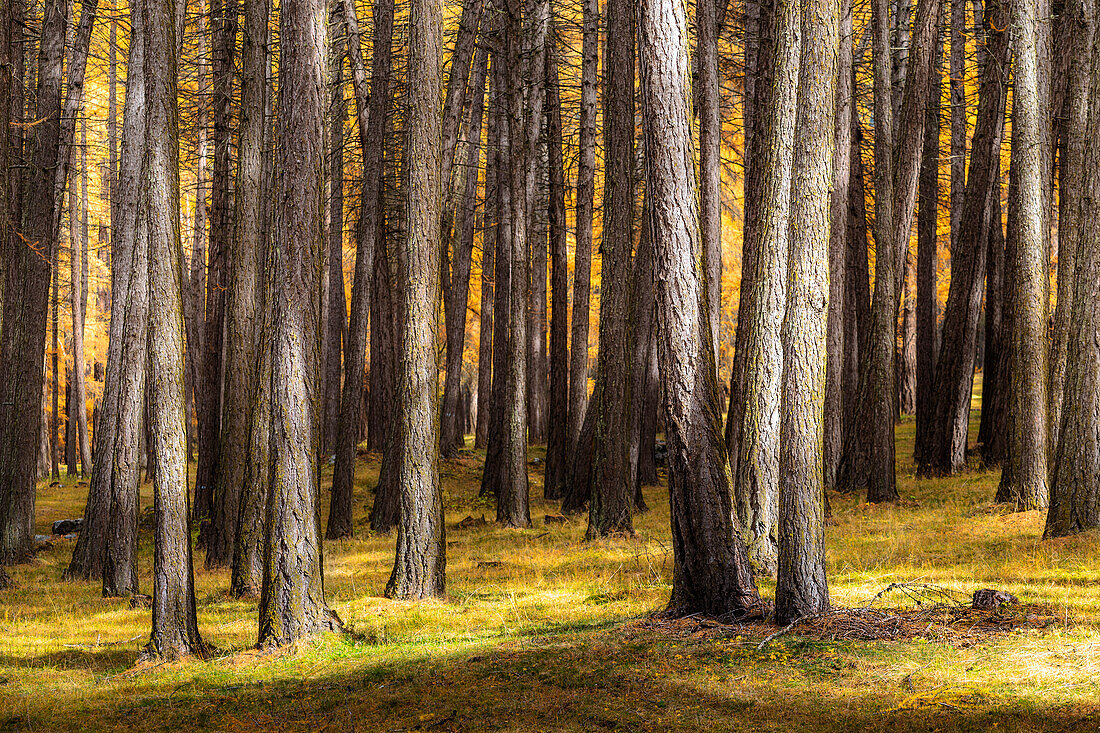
[[711, 572], [801, 587], [175, 627], [27, 272], [371, 110], [419, 569], [1074, 488], [609, 473], [756, 477], [292, 599], [1024, 479], [243, 279]]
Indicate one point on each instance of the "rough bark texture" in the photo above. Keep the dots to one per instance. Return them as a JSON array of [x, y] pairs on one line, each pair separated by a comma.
[[420, 565], [107, 543], [1025, 480], [612, 492], [955, 363], [756, 484], [458, 229], [707, 95], [557, 439], [586, 194], [175, 628], [643, 321], [1074, 486], [801, 588], [292, 601], [243, 278], [834, 413], [927, 242], [711, 572], [372, 111], [208, 392], [26, 298]]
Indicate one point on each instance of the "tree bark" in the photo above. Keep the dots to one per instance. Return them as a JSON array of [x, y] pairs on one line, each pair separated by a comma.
[[292, 600], [927, 244], [1025, 480], [586, 194], [208, 397], [243, 278], [420, 564], [710, 155], [801, 587], [612, 492], [107, 543], [1074, 486], [711, 572], [175, 631], [557, 440], [26, 300], [756, 483], [372, 111]]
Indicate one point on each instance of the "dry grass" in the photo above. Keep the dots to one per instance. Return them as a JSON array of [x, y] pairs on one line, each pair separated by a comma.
[[540, 633]]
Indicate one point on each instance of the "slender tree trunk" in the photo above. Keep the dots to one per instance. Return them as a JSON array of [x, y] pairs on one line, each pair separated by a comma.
[[643, 319], [55, 376], [107, 543], [1073, 39], [927, 244], [710, 156], [586, 194], [955, 362], [372, 111], [292, 600], [26, 300], [757, 470], [488, 295], [458, 230], [1074, 485], [248, 552], [175, 628], [801, 586], [243, 277], [209, 390], [711, 572], [838, 248], [336, 312], [420, 565], [85, 448], [557, 441], [612, 492], [1025, 481]]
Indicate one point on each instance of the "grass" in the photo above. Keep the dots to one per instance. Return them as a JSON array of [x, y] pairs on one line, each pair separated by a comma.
[[539, 634]]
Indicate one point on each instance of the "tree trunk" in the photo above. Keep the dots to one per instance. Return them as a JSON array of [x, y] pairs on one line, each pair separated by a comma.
[[801, 587], [336, 312], [1074, 486], [557, 440], [955, 363], [292, 600], [107, 543], [711, 572], [710, 156], [586, 194], [243, 278], [208, 392], [643, 316], [420, 565], [175, 628], [196, 281], [927, 244], [756, 482], [372, 111], [834, 426], [458, 223], [26, 300], [612, 492], [1025, 481]]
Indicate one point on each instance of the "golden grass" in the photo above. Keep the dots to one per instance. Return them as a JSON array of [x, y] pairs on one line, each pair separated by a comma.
[[535, 633]]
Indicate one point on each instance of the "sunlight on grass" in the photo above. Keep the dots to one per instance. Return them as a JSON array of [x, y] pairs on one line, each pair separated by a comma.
[[532, 636]]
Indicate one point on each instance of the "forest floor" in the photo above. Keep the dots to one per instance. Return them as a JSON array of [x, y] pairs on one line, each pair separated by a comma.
[[544, 631]]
